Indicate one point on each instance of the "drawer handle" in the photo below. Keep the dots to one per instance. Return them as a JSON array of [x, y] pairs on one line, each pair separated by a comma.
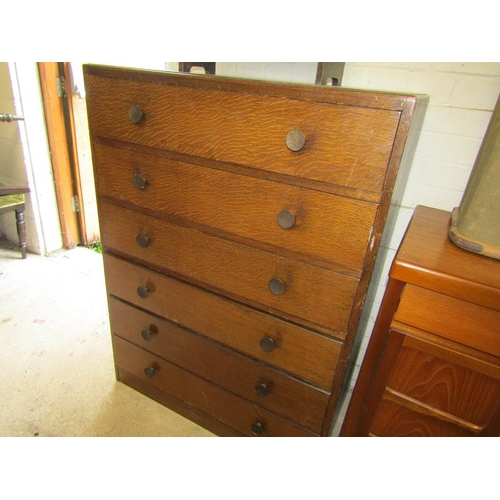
[[150, 371], [135, 114], [276, 286], [286, 219], [143, 292], [262, 390], [295, 140], [147, 333], [140, 182], [143, 240], [267, 344], [257, 429]]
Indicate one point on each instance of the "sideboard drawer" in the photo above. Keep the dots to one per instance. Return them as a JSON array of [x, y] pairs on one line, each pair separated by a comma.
[[445, 387], [228, 408], [301, 352], [345, 145], [265, 386], [441, 315], [245, 272], [393, 420], [333, 229]]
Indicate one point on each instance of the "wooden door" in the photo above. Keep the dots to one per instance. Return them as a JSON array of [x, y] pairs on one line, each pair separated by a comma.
[[62, 143]]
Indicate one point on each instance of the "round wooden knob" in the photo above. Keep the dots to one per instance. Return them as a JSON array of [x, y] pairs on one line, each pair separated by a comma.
[[267, 344], [142, 240], [147, 333], [257, 429], [140, 182], [276, 286], [295, 140], [135, 114], [286, 219], [262, 390], [143, 292], [150, 371]]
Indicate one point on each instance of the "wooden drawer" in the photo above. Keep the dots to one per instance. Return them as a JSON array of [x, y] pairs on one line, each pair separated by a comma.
[[267, 387], [311, 294], [347, 145], [301, 352], [224, 406], [443, 315], [330, 228], [449, 390], [393, 420]]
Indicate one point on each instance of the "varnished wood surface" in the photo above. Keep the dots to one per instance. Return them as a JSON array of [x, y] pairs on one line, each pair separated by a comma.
[[219, 171], [308, 355], [317, 93], [428, 258], [345, 145], [295, 400], [332, 229], [59, 153], [177, 405], [314, 296], [445, 386], [394, 420], [451, 318], [224, 406], [432, 367], [459, 354], [369, 389]]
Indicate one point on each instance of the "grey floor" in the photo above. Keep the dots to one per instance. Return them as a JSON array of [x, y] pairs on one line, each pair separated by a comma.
[[57, 376]]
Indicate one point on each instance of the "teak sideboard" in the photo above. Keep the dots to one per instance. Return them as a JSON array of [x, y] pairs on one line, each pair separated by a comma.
[[432, 367], [240, 221]]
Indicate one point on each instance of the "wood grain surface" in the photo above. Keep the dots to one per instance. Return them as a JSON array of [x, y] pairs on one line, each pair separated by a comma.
[[451, 318], [299, 351], [331, 229], [445, 386], [287, 396], [345, 145], [316, 296], [195, 391], [199, 237], [432, 366]]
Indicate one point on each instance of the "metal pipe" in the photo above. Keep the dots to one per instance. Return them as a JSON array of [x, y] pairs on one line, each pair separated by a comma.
[[7, 117]]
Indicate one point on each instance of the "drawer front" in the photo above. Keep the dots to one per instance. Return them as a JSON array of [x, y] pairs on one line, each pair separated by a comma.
[[224, 406], [325, 227], [264, 386], [309, 293], [454, 319], [446, 387], [345, 145], [309, 356], [392, 420]]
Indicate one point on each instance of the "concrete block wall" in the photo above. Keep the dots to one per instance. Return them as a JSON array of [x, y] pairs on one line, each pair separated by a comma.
[[461, 98]]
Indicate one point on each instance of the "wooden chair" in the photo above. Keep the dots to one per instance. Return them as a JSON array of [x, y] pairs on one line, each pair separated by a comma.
[[12, 198]]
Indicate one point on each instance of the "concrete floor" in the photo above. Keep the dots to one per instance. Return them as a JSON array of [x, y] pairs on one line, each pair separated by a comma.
[[57, 375]]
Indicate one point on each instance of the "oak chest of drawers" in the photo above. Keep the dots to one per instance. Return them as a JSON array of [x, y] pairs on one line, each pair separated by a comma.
[[432, 367], [240, 221]]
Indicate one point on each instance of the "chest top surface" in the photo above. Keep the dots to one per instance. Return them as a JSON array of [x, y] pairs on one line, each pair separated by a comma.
[[429, 259]]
